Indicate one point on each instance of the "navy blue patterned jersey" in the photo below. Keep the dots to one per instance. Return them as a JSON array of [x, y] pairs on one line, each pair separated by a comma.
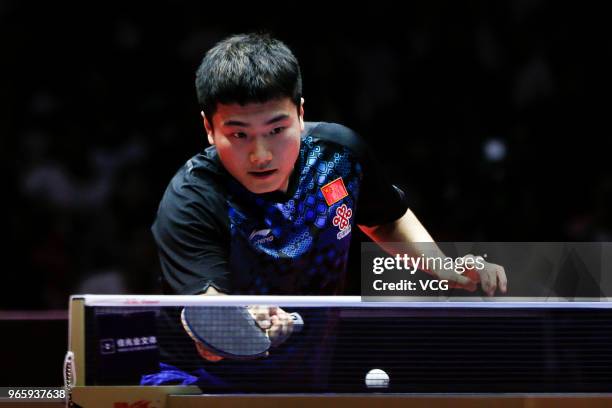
[[210, 230]]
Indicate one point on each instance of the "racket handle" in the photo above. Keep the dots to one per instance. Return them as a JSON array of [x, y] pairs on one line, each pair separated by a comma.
[[298, 322]]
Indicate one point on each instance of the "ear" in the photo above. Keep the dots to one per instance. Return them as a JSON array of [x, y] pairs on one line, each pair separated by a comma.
[[302, 114], [209, 129]]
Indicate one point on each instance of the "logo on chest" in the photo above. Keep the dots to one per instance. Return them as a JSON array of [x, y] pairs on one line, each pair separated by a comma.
[[261, 236], [342, 220], [334, 191]]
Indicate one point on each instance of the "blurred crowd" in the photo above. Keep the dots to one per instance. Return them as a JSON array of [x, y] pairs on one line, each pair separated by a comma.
[[483, 112]]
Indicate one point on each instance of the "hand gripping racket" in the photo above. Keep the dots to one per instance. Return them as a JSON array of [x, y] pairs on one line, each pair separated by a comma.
[[229, 331]]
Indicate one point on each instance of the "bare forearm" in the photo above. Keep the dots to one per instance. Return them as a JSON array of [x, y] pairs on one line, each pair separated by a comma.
[[407, 230], [408, 236]]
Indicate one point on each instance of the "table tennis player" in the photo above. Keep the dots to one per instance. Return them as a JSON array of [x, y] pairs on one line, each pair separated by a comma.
[[269, 207]]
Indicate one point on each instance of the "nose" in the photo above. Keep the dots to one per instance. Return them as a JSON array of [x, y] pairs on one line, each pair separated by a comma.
[[260, 154]]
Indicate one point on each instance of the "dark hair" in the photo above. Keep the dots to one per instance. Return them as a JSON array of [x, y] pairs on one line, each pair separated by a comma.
[[247, 68]]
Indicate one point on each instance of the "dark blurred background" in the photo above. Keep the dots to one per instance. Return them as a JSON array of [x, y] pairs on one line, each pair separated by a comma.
[[490, 115], [485, 113]]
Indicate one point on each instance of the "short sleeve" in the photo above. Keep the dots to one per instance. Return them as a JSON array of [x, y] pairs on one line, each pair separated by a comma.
[[380, 201], [192, 240]]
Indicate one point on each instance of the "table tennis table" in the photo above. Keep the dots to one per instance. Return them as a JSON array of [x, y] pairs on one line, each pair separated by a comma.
[[461, 352]]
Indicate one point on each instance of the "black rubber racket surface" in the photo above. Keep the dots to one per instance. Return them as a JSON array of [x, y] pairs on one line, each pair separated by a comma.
[[229, 331]]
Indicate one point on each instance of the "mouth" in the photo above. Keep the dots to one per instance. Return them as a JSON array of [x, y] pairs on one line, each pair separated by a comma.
[[262, 174]]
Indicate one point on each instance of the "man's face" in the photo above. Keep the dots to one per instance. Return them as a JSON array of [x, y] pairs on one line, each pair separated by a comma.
[[258, 143]]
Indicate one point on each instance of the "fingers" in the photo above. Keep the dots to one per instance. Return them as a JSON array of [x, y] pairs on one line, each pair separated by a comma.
[[466, 281], [503, 280], [278, 332], [460, 279], [277, 323], [488, 281], [282, 327], [262, 315], [492, 277]]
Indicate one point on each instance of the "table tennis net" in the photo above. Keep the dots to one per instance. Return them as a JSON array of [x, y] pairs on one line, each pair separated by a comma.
[[446, 348]]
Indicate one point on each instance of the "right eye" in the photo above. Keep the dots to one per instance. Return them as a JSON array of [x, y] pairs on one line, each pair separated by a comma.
[[239, 135]]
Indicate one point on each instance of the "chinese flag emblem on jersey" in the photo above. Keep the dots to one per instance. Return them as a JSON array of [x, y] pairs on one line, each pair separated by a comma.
[[334, 191]]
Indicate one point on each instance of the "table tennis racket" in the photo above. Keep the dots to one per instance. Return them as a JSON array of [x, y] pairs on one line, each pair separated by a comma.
[[229, 331]]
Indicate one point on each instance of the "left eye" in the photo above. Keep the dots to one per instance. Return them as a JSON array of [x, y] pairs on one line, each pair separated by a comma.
[[277, 130]]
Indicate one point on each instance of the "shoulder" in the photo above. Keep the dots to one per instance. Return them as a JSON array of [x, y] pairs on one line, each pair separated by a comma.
[[201, 176], [195, 193], [336, 134]]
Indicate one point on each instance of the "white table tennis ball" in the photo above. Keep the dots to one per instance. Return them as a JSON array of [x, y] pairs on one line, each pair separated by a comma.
[[377, 378]]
